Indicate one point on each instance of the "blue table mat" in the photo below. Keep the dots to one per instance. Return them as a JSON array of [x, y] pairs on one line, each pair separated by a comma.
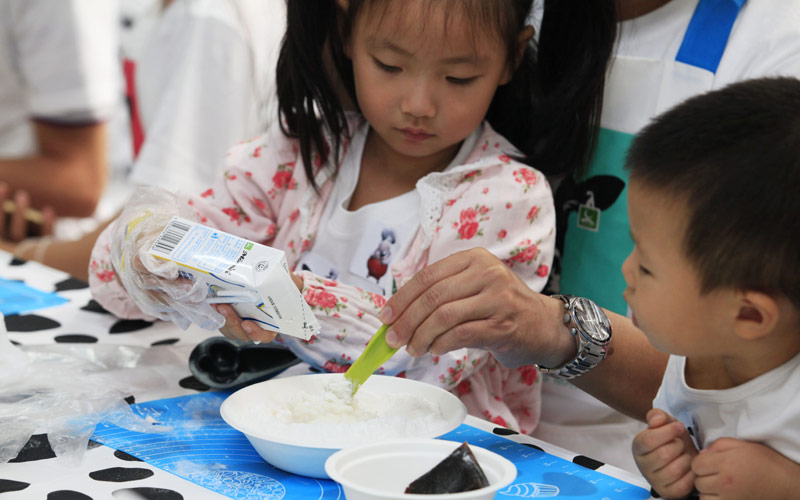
[[200, 447], [17, 297]]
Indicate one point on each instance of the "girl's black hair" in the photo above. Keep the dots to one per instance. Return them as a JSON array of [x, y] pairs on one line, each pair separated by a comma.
[[550, 110]]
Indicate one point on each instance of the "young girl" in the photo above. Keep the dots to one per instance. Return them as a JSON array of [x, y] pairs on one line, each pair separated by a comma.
[[419, 161]]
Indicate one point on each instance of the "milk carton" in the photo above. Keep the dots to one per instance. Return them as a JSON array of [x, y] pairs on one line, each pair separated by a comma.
[[255, 279]]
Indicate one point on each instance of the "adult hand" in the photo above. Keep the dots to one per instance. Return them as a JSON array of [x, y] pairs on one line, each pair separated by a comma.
[[732, 469], [19, 220], [472, 299], [664, 453]]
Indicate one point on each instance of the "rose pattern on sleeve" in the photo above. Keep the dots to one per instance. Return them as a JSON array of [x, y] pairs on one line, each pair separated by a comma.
[[526, 252], [102, 269], [468, 226], [527, 177]]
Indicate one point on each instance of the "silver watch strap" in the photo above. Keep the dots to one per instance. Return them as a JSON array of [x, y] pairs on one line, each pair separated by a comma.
[[585, 358]]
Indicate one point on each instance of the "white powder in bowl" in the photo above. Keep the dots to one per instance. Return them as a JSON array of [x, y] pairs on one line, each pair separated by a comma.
[[330, 417]]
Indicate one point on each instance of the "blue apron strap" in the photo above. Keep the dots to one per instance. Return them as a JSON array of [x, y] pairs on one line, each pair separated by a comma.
[[707, 34]]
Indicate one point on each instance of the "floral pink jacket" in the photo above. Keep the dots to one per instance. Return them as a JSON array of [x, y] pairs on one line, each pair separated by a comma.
[[491, 201]]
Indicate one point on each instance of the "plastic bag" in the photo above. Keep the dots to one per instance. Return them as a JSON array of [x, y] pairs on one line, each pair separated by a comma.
[[64, 390], [153, 283]]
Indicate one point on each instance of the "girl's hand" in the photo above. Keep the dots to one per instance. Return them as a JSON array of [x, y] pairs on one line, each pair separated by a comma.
[[298, 281], [235, 328], [472, 299], [664, 453], [731, 469]]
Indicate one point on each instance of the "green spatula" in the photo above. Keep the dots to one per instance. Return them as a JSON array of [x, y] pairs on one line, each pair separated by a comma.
[[375, 354]]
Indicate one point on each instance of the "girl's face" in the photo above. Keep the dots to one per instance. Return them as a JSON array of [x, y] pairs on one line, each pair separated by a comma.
[[422, 81]]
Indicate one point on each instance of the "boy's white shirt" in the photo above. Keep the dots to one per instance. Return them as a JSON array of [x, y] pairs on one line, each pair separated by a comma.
[[764, 410]]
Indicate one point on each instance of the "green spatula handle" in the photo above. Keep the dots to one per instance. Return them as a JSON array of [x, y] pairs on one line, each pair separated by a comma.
[[375, 354]]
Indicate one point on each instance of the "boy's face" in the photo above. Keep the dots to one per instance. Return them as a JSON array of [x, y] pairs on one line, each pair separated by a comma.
[[663, 287], [423, 89]]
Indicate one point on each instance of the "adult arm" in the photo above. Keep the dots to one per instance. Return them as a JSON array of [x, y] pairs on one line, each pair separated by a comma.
[[65, 57], [472, 299], [68, 172]]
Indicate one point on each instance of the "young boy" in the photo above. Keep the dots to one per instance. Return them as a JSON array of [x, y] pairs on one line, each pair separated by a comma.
[[714, 277]]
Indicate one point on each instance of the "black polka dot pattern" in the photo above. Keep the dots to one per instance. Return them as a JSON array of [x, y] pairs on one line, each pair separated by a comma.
[[148, 494], [529, 445], [37, 448], [71, 284], [7, 485], [194, 384], [129, 325], [120, 474], [165, 342], [29, 323], [587, 462], [94, 306], [502, 431], [67, 495], [125, 456], [75, 338]]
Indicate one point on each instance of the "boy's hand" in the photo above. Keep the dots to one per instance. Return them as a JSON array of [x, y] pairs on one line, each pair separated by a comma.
[[731, 469], [664, 453]]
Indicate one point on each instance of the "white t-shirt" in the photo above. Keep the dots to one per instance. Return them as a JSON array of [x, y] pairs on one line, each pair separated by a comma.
[[58, 62], [205, 81], [764, 410], [764, 41], [356, 247]]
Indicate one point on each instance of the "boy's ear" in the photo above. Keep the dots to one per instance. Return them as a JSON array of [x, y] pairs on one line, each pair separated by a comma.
[[757, 316], [522, 43], [343, 4]]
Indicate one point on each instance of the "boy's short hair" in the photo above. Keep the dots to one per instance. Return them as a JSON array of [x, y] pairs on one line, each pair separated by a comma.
[[734, 156]]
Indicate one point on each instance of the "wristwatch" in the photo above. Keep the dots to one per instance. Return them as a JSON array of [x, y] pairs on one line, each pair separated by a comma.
[[592, 331]]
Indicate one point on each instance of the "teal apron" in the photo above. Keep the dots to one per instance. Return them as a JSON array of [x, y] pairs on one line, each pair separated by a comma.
[[597, 236]]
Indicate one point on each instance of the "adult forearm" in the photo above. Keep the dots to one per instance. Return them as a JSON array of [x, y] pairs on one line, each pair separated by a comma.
[[68, 172], [70, 188], [629, 377]]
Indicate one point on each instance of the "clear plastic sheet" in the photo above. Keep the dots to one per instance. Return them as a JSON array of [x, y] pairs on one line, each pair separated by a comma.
[[153, 283], [64, 390]]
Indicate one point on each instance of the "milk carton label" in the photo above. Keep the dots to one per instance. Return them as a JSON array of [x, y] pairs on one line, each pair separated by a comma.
[[254, 278]]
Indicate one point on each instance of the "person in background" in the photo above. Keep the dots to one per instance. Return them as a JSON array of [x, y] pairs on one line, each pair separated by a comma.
[[59, 85], [421, 157], [204, 77], [714, 279]]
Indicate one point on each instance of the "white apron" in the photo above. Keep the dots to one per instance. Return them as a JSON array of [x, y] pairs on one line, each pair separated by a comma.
[[597, 235]]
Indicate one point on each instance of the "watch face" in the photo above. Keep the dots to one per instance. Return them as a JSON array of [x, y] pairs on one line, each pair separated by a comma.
[[592, 320]]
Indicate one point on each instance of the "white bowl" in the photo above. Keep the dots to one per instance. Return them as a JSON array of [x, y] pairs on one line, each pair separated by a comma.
[[384, 470], [302, 449]]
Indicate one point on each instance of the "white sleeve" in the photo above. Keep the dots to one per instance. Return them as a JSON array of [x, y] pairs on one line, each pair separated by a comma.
[[197, 98], [67, 54]]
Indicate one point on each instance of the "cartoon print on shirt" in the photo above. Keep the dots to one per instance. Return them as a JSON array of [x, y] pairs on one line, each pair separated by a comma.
[[378, 262]]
